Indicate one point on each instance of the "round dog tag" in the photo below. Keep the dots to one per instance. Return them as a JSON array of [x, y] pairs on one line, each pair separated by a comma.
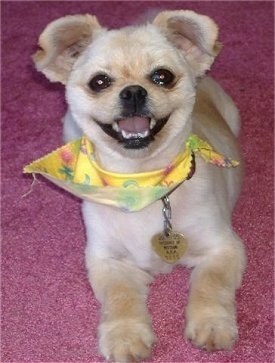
[[170, 247]]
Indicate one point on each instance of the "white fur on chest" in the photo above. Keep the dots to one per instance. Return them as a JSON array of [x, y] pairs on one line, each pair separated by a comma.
[[116, 234]]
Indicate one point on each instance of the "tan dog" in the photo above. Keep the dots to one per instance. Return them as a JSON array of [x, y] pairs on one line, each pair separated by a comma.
[[138, 93]]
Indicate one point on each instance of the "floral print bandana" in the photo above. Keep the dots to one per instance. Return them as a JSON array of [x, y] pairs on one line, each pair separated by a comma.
[[73, 167]]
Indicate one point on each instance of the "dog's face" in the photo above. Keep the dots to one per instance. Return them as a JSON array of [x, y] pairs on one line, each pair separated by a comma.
[[130, 90]]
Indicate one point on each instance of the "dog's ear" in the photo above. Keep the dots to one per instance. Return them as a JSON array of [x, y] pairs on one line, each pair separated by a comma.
[[61, 42], [196, 35]]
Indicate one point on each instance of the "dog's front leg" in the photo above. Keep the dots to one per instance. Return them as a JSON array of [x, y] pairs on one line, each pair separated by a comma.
[[125, 332], [210, 313]]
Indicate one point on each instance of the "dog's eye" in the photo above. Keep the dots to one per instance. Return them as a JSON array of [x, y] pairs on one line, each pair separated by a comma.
[[100, 82], [162, 77]]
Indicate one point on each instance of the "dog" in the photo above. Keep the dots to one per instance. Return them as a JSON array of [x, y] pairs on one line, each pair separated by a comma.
[[138, 93]]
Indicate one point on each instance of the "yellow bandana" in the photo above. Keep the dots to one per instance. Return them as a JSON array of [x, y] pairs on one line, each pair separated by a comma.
[[73, 167]]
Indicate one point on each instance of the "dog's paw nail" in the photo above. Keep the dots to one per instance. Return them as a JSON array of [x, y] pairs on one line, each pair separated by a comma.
[[212, 334], [125, 341]]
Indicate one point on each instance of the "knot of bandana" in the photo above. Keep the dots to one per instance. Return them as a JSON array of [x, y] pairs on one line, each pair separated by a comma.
[[73, 167]]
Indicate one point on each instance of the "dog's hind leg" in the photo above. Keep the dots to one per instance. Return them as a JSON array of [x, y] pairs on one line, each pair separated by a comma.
[[223, 102]]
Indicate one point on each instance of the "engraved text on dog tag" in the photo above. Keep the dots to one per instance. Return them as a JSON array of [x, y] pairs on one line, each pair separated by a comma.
[[170, 247]]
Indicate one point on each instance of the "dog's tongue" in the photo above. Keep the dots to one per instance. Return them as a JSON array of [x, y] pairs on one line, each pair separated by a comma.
[[134, 124]]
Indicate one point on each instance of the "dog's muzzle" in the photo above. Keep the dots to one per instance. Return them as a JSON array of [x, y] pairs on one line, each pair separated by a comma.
[[136, 128]]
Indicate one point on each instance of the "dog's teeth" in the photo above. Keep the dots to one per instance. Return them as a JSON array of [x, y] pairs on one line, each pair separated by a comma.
[[152, 124], [126, 135], [129, 135], [143, 134], [115, 126]]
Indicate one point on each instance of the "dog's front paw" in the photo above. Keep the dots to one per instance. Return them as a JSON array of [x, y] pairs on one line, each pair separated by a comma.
[[212, 332], [125, 340]]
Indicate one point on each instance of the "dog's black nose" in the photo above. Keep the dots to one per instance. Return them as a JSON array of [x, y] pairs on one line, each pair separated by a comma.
[[133, 99]]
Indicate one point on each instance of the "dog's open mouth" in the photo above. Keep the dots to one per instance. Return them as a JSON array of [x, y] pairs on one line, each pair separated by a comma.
[[135, 132]]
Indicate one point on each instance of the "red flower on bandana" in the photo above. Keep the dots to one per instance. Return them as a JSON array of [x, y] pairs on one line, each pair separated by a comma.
[[168, 170], [104, 182], [66, 156]]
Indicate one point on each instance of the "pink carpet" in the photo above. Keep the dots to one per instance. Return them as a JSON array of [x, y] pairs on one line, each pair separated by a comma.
[[49, 313]]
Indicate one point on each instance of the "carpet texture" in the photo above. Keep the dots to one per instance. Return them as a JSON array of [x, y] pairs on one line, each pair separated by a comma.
[[49, 313]]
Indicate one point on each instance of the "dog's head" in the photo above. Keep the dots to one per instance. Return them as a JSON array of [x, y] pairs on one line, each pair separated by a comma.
[[132, 88]]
